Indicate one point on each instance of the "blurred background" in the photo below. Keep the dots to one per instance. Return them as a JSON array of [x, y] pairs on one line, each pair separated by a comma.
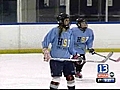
[[36, 11]]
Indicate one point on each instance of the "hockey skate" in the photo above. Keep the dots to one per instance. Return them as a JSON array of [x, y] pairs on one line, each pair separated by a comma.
[[78, 76]]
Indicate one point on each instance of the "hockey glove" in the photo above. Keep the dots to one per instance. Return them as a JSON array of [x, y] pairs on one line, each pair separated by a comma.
[[79, 58], [75, 56], [92, 51], [46, 54]]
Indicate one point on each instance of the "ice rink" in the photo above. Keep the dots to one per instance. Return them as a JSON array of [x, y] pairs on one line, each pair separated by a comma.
[[29, 71]]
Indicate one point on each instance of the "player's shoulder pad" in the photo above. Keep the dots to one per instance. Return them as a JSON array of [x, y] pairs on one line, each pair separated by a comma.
[[90, 29], [72, 28], [54, 30], [70, 31]]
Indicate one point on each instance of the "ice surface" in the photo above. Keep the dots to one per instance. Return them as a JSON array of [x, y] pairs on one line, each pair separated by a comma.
[[29, 71]]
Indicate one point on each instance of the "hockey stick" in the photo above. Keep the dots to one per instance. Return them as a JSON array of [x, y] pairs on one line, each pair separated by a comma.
[[80, 59], [117, 60], [108, 56], [64, 59], [73, 60]]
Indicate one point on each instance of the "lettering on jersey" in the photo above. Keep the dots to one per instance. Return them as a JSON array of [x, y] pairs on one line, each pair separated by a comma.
[[63, 42], [82, 39], [60, 41], [78, 39]]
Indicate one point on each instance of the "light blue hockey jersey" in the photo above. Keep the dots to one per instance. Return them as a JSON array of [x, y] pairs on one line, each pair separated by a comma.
[[62, 47], [82, 40]]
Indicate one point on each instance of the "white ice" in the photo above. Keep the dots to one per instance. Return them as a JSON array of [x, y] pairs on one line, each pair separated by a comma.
[[29, 71]]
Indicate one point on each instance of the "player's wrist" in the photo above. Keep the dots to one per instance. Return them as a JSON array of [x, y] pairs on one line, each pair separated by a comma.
[[91, 50], [44, 50]]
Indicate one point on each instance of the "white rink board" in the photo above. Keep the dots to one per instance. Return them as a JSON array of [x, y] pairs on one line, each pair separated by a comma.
[[31, 36]]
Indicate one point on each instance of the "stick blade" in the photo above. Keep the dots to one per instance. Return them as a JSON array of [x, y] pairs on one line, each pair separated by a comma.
[[107, 57], [104, 60], [118, 60]]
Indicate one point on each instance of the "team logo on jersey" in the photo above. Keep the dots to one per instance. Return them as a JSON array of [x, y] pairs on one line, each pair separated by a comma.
[[82, 39], [63, 43]]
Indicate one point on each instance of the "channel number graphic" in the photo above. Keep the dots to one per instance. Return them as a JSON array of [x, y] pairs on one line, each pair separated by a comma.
[[103, 75]]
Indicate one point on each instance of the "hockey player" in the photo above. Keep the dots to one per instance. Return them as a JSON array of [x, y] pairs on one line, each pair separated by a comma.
[[62, 46], [83, 40]]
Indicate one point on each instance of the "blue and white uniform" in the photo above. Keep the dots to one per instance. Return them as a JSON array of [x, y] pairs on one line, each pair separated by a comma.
[[82, 39]]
